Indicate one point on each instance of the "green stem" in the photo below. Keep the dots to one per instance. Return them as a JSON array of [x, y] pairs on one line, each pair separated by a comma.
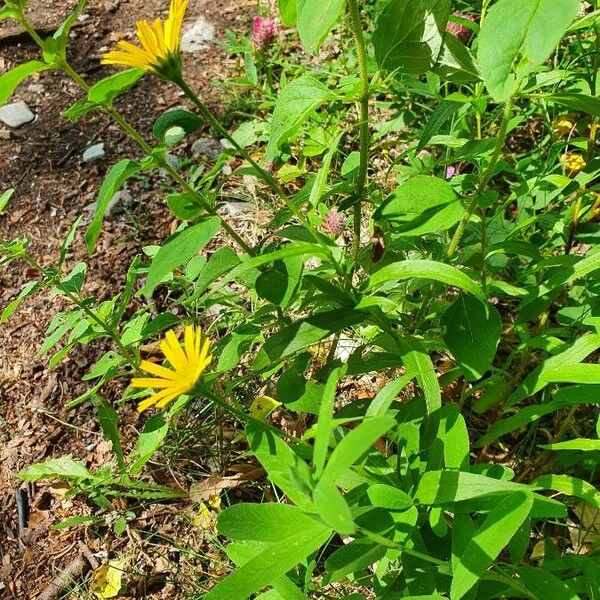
[[210, 118], [487, 176], [141, 142], [361, 180], [110, 331]]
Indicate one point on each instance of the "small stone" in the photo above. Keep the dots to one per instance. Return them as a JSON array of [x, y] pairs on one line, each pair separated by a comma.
[[16, 114], [4, 134], [196, 37], [206, 147], [119, 203], [95, 152], [239, 209], [172, 160]]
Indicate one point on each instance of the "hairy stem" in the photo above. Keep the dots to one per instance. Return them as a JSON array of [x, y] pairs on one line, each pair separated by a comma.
[[487, 176], [361, 180], [210, 118], [141, 142]]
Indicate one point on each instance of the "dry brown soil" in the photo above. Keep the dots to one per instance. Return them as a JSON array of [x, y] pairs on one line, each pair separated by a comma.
[[42, 161]]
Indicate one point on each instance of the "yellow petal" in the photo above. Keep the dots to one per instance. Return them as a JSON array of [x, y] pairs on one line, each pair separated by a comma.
[[190, 346], [172, 350], [151, 382], [157, 370], [159, 34], [152, 400], [147, 37], [169, 397]]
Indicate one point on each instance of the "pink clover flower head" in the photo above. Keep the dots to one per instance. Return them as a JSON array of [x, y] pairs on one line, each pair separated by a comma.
[[458, 30], [334, 222], [263, 32]]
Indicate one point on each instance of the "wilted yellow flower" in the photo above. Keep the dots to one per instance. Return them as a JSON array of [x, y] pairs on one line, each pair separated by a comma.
[[187, 362], [573, 162], [564, 126], [161, 44]]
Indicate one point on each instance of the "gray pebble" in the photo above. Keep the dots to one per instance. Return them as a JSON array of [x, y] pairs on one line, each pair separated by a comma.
[[16, 114]]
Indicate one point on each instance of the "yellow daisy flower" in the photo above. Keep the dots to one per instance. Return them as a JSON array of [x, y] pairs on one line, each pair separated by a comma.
[[573, 163], [160, 45], [188, 362]]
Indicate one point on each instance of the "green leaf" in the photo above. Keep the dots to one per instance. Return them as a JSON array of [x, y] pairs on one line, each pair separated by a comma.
[[288, 12], [222, 261], [570, 486], [356, 443], [55, 47], [444, 111], [425, 269], [442, 487], [416, 359], [68, 241], [108, 418], [316, 19], [8, 13], [324, 426], [332, 507], [269, 565], [184, 206], [279, 283], [116, 177], [283, 466], [538, 378], [539, 582], [179, 250], [565, 397], [79, 109], [176, 117], [5, 197], [389, 497], [107, 89], [296, 101], [62, 468], [409, 34], [12, 78], [305, 332], [577, 102], [488, 540], [148, 442], [382, 402], [472, 333], [353, 557], [581, 444], [422, 205], [268, 522], [30, 288], [517, 36], [73, 282]]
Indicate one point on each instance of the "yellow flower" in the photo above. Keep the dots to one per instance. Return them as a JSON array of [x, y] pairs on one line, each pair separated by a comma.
[[564, 126], [187, 362], [573, 162], [160, 51]]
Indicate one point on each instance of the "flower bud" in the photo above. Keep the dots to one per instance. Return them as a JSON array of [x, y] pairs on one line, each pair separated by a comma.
[[462, 32], [263, 32], [334, 222]]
